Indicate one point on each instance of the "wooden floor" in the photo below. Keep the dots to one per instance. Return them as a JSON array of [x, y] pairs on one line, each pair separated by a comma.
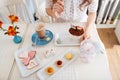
[[113, 51]]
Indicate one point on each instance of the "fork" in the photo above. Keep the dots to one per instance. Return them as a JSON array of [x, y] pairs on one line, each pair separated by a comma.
[[35, 42], [34, 45]]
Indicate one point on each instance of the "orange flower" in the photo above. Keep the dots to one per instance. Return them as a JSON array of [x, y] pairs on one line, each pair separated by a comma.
[[11, 31], [1, 24], [13, 18]]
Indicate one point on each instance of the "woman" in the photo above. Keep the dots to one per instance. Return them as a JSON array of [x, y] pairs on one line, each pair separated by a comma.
[[73, 11]]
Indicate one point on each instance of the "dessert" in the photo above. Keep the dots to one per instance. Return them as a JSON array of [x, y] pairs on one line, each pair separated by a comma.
[[27, 56], [49, 70], [49, 52], [68, 56], [59, 63], [31, 54], [26, 61], [32, 64], [76, 30], [47, 39], [23, 55]]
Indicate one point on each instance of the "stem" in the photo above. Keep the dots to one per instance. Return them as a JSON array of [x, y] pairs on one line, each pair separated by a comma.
[[13, 24], [3, 29]]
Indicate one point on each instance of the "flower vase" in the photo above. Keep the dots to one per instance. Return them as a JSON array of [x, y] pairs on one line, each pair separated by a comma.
[[17, 39]]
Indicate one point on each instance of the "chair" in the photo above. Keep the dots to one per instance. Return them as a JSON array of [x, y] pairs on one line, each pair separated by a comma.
[[14, 7]]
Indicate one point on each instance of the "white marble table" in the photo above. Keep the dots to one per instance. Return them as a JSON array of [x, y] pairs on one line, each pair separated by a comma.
[[7, 49], [96, 70]]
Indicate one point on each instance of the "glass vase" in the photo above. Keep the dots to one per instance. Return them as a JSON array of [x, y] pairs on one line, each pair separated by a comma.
[[17, 39]]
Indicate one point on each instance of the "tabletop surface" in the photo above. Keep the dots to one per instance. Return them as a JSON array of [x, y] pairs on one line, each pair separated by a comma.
[[96, 70]]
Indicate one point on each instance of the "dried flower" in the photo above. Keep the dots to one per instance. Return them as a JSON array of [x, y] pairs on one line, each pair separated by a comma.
[[1, 24], [13, 18], [12, 30]]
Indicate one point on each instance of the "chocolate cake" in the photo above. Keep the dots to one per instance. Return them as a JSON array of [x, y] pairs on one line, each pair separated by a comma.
[[76, 30]]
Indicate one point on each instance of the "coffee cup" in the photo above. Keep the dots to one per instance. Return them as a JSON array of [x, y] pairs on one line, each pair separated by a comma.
[[40, 30]]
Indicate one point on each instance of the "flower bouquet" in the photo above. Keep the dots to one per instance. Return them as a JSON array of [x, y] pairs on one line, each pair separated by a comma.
[[12, 29]]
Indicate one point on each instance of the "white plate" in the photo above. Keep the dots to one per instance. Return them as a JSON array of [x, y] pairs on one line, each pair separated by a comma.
[[65, 39], [23, 70], [44, 76]]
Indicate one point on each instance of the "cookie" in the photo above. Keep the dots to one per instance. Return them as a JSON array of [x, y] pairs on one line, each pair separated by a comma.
[[32, 64], [49, 52], [31, 54], [23, 55], [25, 61]]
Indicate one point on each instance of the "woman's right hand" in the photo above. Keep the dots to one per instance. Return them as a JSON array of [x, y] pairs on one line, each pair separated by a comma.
[[58, 8]]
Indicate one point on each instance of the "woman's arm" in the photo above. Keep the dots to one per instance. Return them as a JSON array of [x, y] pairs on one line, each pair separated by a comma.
[[90, 20], [89, 24], [92, 9]]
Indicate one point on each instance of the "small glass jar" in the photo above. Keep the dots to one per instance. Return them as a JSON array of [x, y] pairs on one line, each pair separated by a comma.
[[88, 51]]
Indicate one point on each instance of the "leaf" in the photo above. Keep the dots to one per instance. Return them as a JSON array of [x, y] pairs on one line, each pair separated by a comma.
[[15, 28], [6, 33], [4, 29], [17, 32]]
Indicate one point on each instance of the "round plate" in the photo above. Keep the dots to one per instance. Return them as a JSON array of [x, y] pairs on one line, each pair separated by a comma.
[[44, 41]]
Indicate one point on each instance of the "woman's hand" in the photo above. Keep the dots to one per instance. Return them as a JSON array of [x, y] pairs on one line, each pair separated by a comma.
[[58, 8], [89, 25], [85, 35]]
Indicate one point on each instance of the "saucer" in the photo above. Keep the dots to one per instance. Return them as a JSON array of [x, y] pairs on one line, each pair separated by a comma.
[[39, 42]]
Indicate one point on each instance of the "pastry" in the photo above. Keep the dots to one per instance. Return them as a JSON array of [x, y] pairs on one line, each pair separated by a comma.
[[32, 64], [59, 63], [23, 55], [31, 54], [26, 61], [76, 30], [68, 56], [49, 70]]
